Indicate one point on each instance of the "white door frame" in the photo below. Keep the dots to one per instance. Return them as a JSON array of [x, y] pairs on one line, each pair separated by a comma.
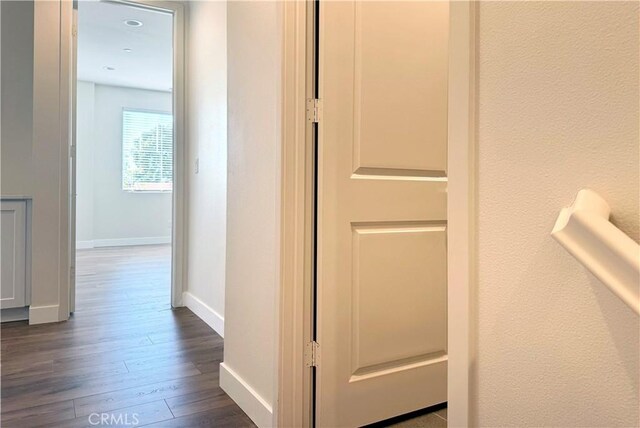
[[294, 380], [295, 312], [179, 204], [461, 210]]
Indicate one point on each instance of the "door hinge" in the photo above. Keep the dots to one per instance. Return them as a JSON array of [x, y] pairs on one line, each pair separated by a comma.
[[72, 150], [312, 354], [314, 110]]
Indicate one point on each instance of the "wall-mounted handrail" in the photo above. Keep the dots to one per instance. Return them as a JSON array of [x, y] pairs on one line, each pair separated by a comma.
[[585, 231]]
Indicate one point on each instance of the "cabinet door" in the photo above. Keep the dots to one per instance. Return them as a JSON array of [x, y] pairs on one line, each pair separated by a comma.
[[13, 254]]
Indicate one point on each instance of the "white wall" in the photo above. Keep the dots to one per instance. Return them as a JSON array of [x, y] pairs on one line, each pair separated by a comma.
[[105, 212], [558, 111], [50, 162], [17, 96], [84, 161], [253, 204], [207, 143]]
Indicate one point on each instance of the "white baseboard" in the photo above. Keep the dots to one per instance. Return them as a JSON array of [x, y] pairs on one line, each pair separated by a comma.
[[84, 245], [204, 312], [122, 242], [43, 314], [246, 397]]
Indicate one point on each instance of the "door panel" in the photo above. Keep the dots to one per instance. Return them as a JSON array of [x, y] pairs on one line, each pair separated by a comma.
[[381, 210], [407, 280], [395, 105]]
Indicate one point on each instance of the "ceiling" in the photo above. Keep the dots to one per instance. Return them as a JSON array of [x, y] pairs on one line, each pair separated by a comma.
[[103, 36]]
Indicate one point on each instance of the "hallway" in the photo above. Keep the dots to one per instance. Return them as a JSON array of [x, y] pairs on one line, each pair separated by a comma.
[[124, 355]]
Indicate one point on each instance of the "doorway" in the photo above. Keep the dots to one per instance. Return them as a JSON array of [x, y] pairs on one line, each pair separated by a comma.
[[392, 196], [382, 210], [127, 151]]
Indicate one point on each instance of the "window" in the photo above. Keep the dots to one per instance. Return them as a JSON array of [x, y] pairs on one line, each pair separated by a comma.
[[147, 151]]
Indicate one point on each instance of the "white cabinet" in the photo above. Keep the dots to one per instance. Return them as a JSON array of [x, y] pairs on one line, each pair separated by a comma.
[[13, 255]]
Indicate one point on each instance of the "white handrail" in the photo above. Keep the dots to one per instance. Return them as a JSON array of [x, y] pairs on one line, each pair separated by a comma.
[[585, 231]]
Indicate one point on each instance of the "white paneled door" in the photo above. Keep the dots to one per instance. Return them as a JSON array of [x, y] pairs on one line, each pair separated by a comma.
[[382, 291]]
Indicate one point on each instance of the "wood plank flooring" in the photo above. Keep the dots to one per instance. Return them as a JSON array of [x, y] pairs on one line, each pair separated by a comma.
[[124, 355]]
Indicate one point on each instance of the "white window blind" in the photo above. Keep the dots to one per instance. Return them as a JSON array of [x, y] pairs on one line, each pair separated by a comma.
[[147, 151]]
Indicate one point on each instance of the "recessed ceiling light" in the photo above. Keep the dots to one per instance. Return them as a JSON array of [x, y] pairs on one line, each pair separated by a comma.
[[127, 50], [133, 23], [106, 67]]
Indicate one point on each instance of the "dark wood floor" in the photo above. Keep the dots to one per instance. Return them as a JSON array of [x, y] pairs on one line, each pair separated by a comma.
[[124, 355]]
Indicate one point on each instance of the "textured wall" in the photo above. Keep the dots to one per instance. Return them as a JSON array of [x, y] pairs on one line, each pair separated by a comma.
[[17, 96], [253, 203], [49, 163], [558, 111], [207, 141]]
